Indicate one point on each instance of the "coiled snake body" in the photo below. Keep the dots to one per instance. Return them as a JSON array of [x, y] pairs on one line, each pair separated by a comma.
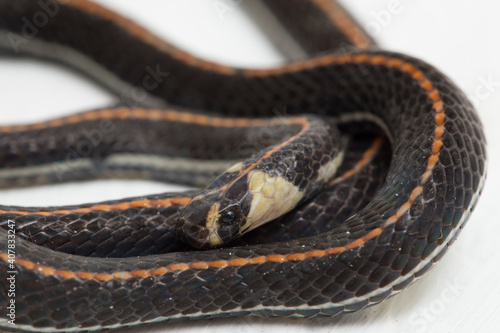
[[96, 278]]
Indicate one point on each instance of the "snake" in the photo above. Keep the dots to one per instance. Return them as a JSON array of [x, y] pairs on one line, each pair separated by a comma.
[[348, 230]]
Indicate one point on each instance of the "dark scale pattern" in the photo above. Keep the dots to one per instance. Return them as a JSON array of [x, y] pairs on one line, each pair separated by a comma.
[[316, 147], [98, 140], [178, 286], [333, 205], [117, 233], [302, 160], [310, 26], [129, 235]]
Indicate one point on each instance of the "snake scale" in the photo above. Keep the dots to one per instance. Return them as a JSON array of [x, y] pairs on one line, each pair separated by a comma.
[[389, 214]]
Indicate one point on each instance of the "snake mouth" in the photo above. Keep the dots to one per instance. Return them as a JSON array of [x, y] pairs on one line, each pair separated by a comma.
[[204, 224], [195, 235], [202, 237]]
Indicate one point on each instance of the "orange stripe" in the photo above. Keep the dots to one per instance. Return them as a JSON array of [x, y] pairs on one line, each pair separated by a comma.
[[120, 206], [218, 264], [303, 121], [296, 257], [141, 273], [316, 253], [297, 120], [396, 63], [336, 14], [237, 262], [149, 114], [198, 265], [433, 95], [340, 18], [439, 119], [257, 260], [416, 193], [65, 274], [146, 36], [365, 159]]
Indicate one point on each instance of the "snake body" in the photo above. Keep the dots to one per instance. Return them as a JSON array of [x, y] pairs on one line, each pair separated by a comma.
[[435, 176]]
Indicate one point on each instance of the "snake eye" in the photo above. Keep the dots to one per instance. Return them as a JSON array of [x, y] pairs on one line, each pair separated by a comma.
[[227, 218]]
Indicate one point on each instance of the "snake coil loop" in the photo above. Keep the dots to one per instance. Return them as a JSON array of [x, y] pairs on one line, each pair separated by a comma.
[[382, 222]]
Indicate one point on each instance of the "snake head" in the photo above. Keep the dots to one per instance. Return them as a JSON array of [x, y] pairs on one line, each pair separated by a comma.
[[208, 221], [229, 208], [261, 188]]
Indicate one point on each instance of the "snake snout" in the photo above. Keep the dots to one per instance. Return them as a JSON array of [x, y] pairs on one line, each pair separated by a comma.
[[195, 235], [196, 223]]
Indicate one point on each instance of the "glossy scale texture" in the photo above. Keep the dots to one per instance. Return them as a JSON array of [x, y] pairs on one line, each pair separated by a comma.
[[432, 184]]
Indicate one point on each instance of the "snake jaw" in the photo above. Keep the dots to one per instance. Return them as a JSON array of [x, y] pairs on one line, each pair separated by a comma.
[[193, 234]]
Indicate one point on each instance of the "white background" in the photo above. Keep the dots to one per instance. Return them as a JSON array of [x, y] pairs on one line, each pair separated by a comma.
[[461, 294]]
